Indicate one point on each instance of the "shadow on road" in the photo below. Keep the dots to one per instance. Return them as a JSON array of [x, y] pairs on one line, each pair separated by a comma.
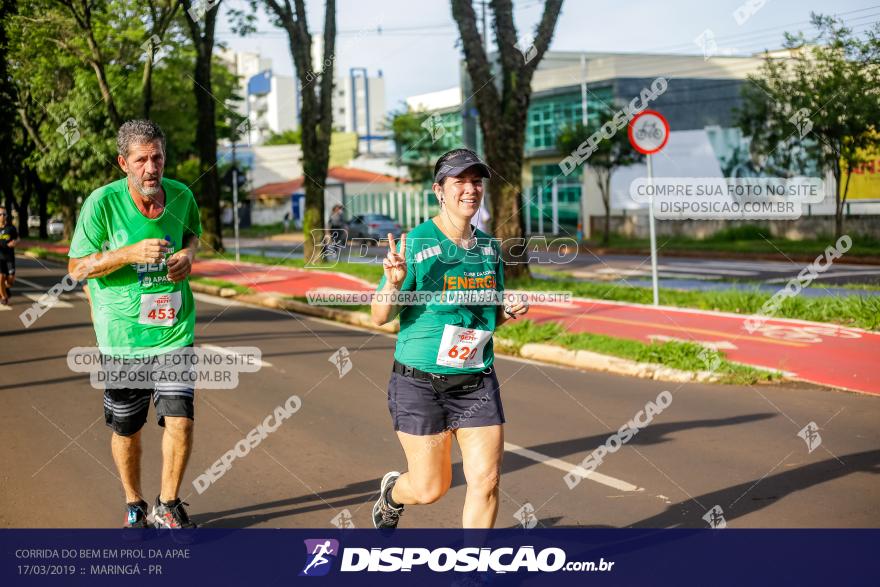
[[743, 499], [363, 493]]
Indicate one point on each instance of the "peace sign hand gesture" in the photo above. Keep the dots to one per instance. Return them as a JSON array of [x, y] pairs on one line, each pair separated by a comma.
[[395, 263]]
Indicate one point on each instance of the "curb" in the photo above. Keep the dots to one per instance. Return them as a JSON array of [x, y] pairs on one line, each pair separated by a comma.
[[277, 302], [544, 353], [591, 361]]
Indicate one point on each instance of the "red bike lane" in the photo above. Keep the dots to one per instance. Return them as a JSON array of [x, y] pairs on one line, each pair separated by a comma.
[[825, 354], [820, 353]]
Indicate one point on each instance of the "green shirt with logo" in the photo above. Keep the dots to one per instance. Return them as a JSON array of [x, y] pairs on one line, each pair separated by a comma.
[[436, 264], [137, 310]]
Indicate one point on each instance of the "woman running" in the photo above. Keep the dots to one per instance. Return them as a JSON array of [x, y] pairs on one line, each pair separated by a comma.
[[443, 383]]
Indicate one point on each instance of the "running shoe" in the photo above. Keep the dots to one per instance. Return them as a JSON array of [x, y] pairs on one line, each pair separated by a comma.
[[171, 515], [137, 515], [384, 516]]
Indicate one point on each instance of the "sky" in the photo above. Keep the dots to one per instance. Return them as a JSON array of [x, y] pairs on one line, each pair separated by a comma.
[[417, 50]]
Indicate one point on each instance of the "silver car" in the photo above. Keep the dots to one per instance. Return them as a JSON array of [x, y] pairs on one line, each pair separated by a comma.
[[375, 226]]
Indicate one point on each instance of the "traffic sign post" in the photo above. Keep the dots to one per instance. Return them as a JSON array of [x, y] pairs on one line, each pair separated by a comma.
[[648, 134]]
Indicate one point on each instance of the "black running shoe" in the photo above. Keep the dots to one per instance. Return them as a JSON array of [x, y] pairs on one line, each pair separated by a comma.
[[137, 515], [384, 516], [171, 515]]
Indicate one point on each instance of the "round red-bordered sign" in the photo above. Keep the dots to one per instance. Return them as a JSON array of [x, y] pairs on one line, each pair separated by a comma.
[[645, 140]]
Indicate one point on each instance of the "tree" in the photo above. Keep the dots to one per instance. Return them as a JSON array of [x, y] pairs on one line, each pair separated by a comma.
[[416, 149], [608, 156], [502, 98], [63, 136], [823, 99], [160, 15], [8, 156], [201, 24], [288, 137], [316, 114], [84, 17]]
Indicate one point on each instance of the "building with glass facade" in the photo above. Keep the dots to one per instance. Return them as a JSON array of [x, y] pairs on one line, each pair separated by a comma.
[[702, 95]]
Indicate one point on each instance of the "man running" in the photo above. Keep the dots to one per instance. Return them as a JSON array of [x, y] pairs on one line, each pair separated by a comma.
[[143, 310], [443, 382], [8, 240]]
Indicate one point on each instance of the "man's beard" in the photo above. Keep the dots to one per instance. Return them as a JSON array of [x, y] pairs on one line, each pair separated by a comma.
[[144, 190]]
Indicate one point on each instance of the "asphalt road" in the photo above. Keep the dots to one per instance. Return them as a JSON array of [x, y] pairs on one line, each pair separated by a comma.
[[734, 447]]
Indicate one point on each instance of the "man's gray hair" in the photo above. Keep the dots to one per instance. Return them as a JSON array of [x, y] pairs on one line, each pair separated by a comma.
[[138, 132]]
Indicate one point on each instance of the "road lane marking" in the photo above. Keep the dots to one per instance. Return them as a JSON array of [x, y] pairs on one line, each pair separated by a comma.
[[229, 353], [569, 468], [715, 345], [32, 284], [58, 303]]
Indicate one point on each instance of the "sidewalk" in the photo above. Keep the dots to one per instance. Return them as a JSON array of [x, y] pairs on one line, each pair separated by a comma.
[[821, 353]]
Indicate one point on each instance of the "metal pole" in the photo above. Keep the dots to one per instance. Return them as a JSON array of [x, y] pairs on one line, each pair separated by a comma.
[[540, 195], [653, 234], [554, 207], [584, 117], [235, 203]]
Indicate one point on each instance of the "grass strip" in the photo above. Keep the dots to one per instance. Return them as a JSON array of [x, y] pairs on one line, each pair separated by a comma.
[[686, 356]]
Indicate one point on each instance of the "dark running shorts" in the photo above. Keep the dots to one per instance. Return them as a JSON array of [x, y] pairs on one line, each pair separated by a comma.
[[125, 410], [126, 405], [7, 264], [417, 409]]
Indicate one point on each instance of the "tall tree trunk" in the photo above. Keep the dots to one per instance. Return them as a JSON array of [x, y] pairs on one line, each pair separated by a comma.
[[208, 185], [839, 200], [507, 220], [22, 209], [42, 190], [147, 87], [68, 212], [316, 112], [502, 92]]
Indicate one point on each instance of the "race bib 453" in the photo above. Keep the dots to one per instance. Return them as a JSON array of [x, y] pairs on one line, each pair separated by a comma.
[[160, 309]]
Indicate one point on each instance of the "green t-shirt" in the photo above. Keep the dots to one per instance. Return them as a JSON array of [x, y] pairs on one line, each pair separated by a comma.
[[436, 264], [137, 310]]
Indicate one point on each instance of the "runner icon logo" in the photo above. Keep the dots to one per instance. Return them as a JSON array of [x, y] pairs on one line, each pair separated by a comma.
[[810, 434], [320, 554], [715, 518]]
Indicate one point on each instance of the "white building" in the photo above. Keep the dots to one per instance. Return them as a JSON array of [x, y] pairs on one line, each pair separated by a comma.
[[273, 101]]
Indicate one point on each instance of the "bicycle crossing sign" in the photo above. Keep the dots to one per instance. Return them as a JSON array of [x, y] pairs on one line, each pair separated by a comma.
[[648, 132]]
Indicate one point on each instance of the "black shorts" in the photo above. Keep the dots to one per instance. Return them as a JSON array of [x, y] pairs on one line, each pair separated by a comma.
[[7, 264], [125, 410], [416, 408], [126, 403]]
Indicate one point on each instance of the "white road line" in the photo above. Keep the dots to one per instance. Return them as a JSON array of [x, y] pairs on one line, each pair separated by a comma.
[[691, 268], [227, 352], [826, 275], [32, 284], [569, 468], [59, 303]]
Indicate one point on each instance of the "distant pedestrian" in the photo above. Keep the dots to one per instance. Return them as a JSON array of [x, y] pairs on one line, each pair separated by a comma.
[[8, 240]]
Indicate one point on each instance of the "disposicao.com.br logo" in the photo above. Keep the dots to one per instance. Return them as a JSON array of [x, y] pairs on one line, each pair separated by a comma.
[[322, 552]]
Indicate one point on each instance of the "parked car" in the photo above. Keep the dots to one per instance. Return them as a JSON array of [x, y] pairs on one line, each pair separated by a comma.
[[55, 227], [375, 226]]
